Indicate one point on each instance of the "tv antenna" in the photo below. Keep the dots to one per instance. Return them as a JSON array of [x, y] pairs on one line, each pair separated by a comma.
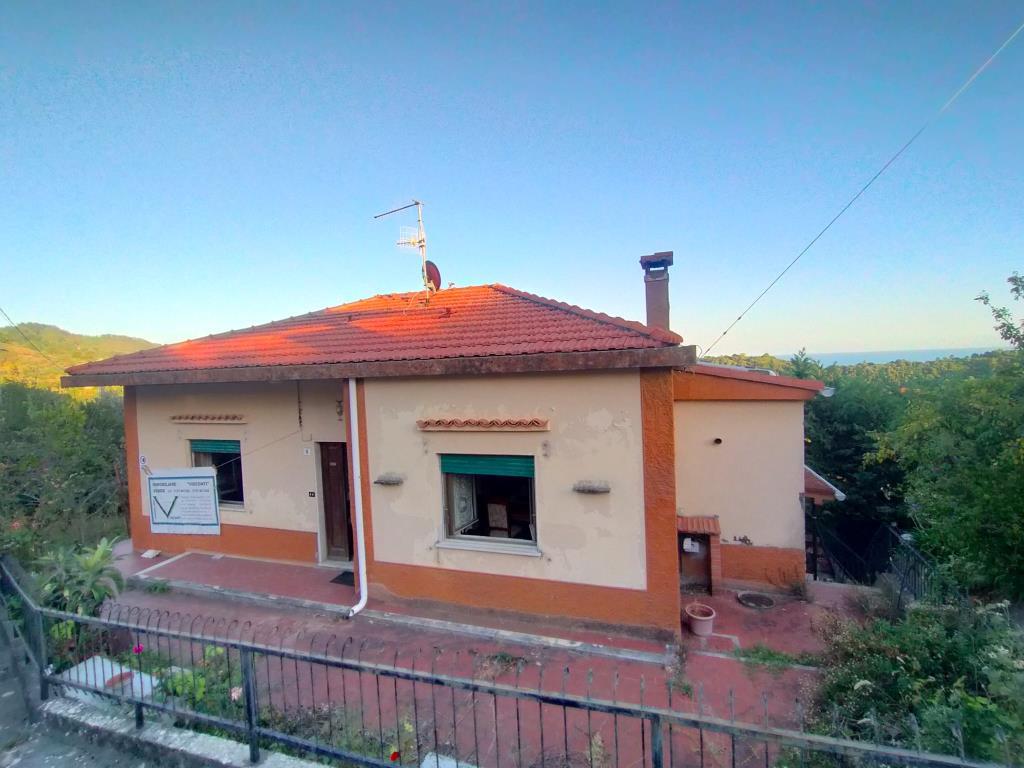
[[416, 237]]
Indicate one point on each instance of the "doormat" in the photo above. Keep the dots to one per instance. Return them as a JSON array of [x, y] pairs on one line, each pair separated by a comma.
[[348, 578]]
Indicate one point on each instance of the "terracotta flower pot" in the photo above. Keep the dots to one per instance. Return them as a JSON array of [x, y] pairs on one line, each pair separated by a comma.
[[702, 618]]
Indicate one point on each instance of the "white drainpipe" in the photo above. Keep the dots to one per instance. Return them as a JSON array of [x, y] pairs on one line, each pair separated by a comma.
[[357, 484]]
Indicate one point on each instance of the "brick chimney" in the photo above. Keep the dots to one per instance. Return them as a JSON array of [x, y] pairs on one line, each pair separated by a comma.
[[656, 283]]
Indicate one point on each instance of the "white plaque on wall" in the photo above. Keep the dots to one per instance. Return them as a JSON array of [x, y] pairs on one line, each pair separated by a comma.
[[184, 501]]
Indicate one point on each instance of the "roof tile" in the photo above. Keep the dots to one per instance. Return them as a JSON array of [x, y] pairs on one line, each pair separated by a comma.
[[475, 321]]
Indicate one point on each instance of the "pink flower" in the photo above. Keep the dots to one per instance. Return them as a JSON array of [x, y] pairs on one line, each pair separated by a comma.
[[138, 649], [236, 693]]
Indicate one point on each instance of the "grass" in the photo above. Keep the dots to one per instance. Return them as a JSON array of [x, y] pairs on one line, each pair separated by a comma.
[[763, 656], [158, 587]]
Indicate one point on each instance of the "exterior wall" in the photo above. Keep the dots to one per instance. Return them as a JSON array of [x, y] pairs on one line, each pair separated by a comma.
[[603, 557], [778, 566], [278, 519], [595, 435], [752, 481]]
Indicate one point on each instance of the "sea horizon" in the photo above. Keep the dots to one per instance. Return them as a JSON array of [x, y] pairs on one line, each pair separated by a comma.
[[891, 355]]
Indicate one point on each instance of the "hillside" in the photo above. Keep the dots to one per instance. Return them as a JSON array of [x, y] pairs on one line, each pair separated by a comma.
[[21, 363]]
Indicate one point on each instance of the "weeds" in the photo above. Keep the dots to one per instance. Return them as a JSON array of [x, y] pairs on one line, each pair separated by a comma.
[[494, 665], [676, 673], [343, 730], [776, 661], [158, 587]]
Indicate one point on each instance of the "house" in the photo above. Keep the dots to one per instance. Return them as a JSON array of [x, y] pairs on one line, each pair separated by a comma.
[[481, 445]]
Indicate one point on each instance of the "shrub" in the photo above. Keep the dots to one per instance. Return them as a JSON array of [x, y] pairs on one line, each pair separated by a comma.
[[954, 669], [214, 687], [80, 579], [62, 463]]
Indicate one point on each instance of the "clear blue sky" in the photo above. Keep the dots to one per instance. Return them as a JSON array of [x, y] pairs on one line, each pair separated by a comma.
[[171, 170]]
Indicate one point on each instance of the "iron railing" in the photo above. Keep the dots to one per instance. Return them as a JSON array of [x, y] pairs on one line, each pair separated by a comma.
[[361, 704], [889, 560], [912, 575]]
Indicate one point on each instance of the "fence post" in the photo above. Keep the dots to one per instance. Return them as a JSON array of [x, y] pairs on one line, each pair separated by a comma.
[[657, 749], [251, 704], [44, 686]]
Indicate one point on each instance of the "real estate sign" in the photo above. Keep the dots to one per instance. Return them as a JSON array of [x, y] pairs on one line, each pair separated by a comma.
[[184, 501]]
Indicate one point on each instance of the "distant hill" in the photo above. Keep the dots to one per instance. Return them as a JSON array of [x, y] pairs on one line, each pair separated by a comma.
[[21, 363]]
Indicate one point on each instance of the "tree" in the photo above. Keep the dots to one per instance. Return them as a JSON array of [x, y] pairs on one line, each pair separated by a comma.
[[1008, 328], [842, 433], [962, 447], [804, 367], [62, 464]]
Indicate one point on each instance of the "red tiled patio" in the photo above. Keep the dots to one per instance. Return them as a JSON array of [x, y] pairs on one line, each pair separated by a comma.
[[279, 600]]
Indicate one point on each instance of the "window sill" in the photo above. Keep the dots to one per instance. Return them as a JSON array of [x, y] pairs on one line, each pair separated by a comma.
[[231, 506], [494, 547]]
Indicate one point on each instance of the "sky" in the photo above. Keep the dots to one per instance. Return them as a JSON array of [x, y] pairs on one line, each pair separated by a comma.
[[169, 170]]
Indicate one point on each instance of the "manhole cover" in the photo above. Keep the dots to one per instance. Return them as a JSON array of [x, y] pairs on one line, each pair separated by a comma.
[[755, 600]]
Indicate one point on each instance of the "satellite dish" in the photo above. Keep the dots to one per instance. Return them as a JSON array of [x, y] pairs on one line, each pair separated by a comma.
[[432, 275]]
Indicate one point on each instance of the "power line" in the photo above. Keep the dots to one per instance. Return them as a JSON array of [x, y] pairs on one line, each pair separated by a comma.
[[949, 103], [31, 343], [241, 456]]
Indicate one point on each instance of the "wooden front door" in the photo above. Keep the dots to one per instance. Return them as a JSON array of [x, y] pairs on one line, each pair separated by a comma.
[[334, 472]]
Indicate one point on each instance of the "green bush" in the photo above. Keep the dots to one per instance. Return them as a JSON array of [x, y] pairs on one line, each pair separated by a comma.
[[954, 669], [213, 687], [80, 579], [962, 448], [62, 463]]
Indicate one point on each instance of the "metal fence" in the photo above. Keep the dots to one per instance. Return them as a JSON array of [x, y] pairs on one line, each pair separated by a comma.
[[350, 704], [889, 560], [912, 575]]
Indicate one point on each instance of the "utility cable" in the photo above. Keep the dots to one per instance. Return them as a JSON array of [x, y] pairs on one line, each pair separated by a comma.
[[949, 103], [31, 343], [241, 456]]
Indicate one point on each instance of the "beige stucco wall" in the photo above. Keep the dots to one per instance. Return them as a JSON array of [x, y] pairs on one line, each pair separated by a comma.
[[280, 463], [595, 434], [753, 479]]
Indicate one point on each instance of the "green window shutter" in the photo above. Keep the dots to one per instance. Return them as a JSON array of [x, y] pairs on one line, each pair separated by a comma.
[[216, 446], [505, 466]]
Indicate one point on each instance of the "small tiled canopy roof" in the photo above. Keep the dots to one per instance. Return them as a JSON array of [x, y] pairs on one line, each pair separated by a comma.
[[698, 524], [484, 321], [818, 488]]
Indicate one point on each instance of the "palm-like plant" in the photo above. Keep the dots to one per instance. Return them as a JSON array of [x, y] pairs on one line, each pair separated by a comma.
[[79, 579]]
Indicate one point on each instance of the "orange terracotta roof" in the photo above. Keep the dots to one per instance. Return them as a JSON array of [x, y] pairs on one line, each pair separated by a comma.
[[715, 382], [700, 525], [757, 376], [477, 321]]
